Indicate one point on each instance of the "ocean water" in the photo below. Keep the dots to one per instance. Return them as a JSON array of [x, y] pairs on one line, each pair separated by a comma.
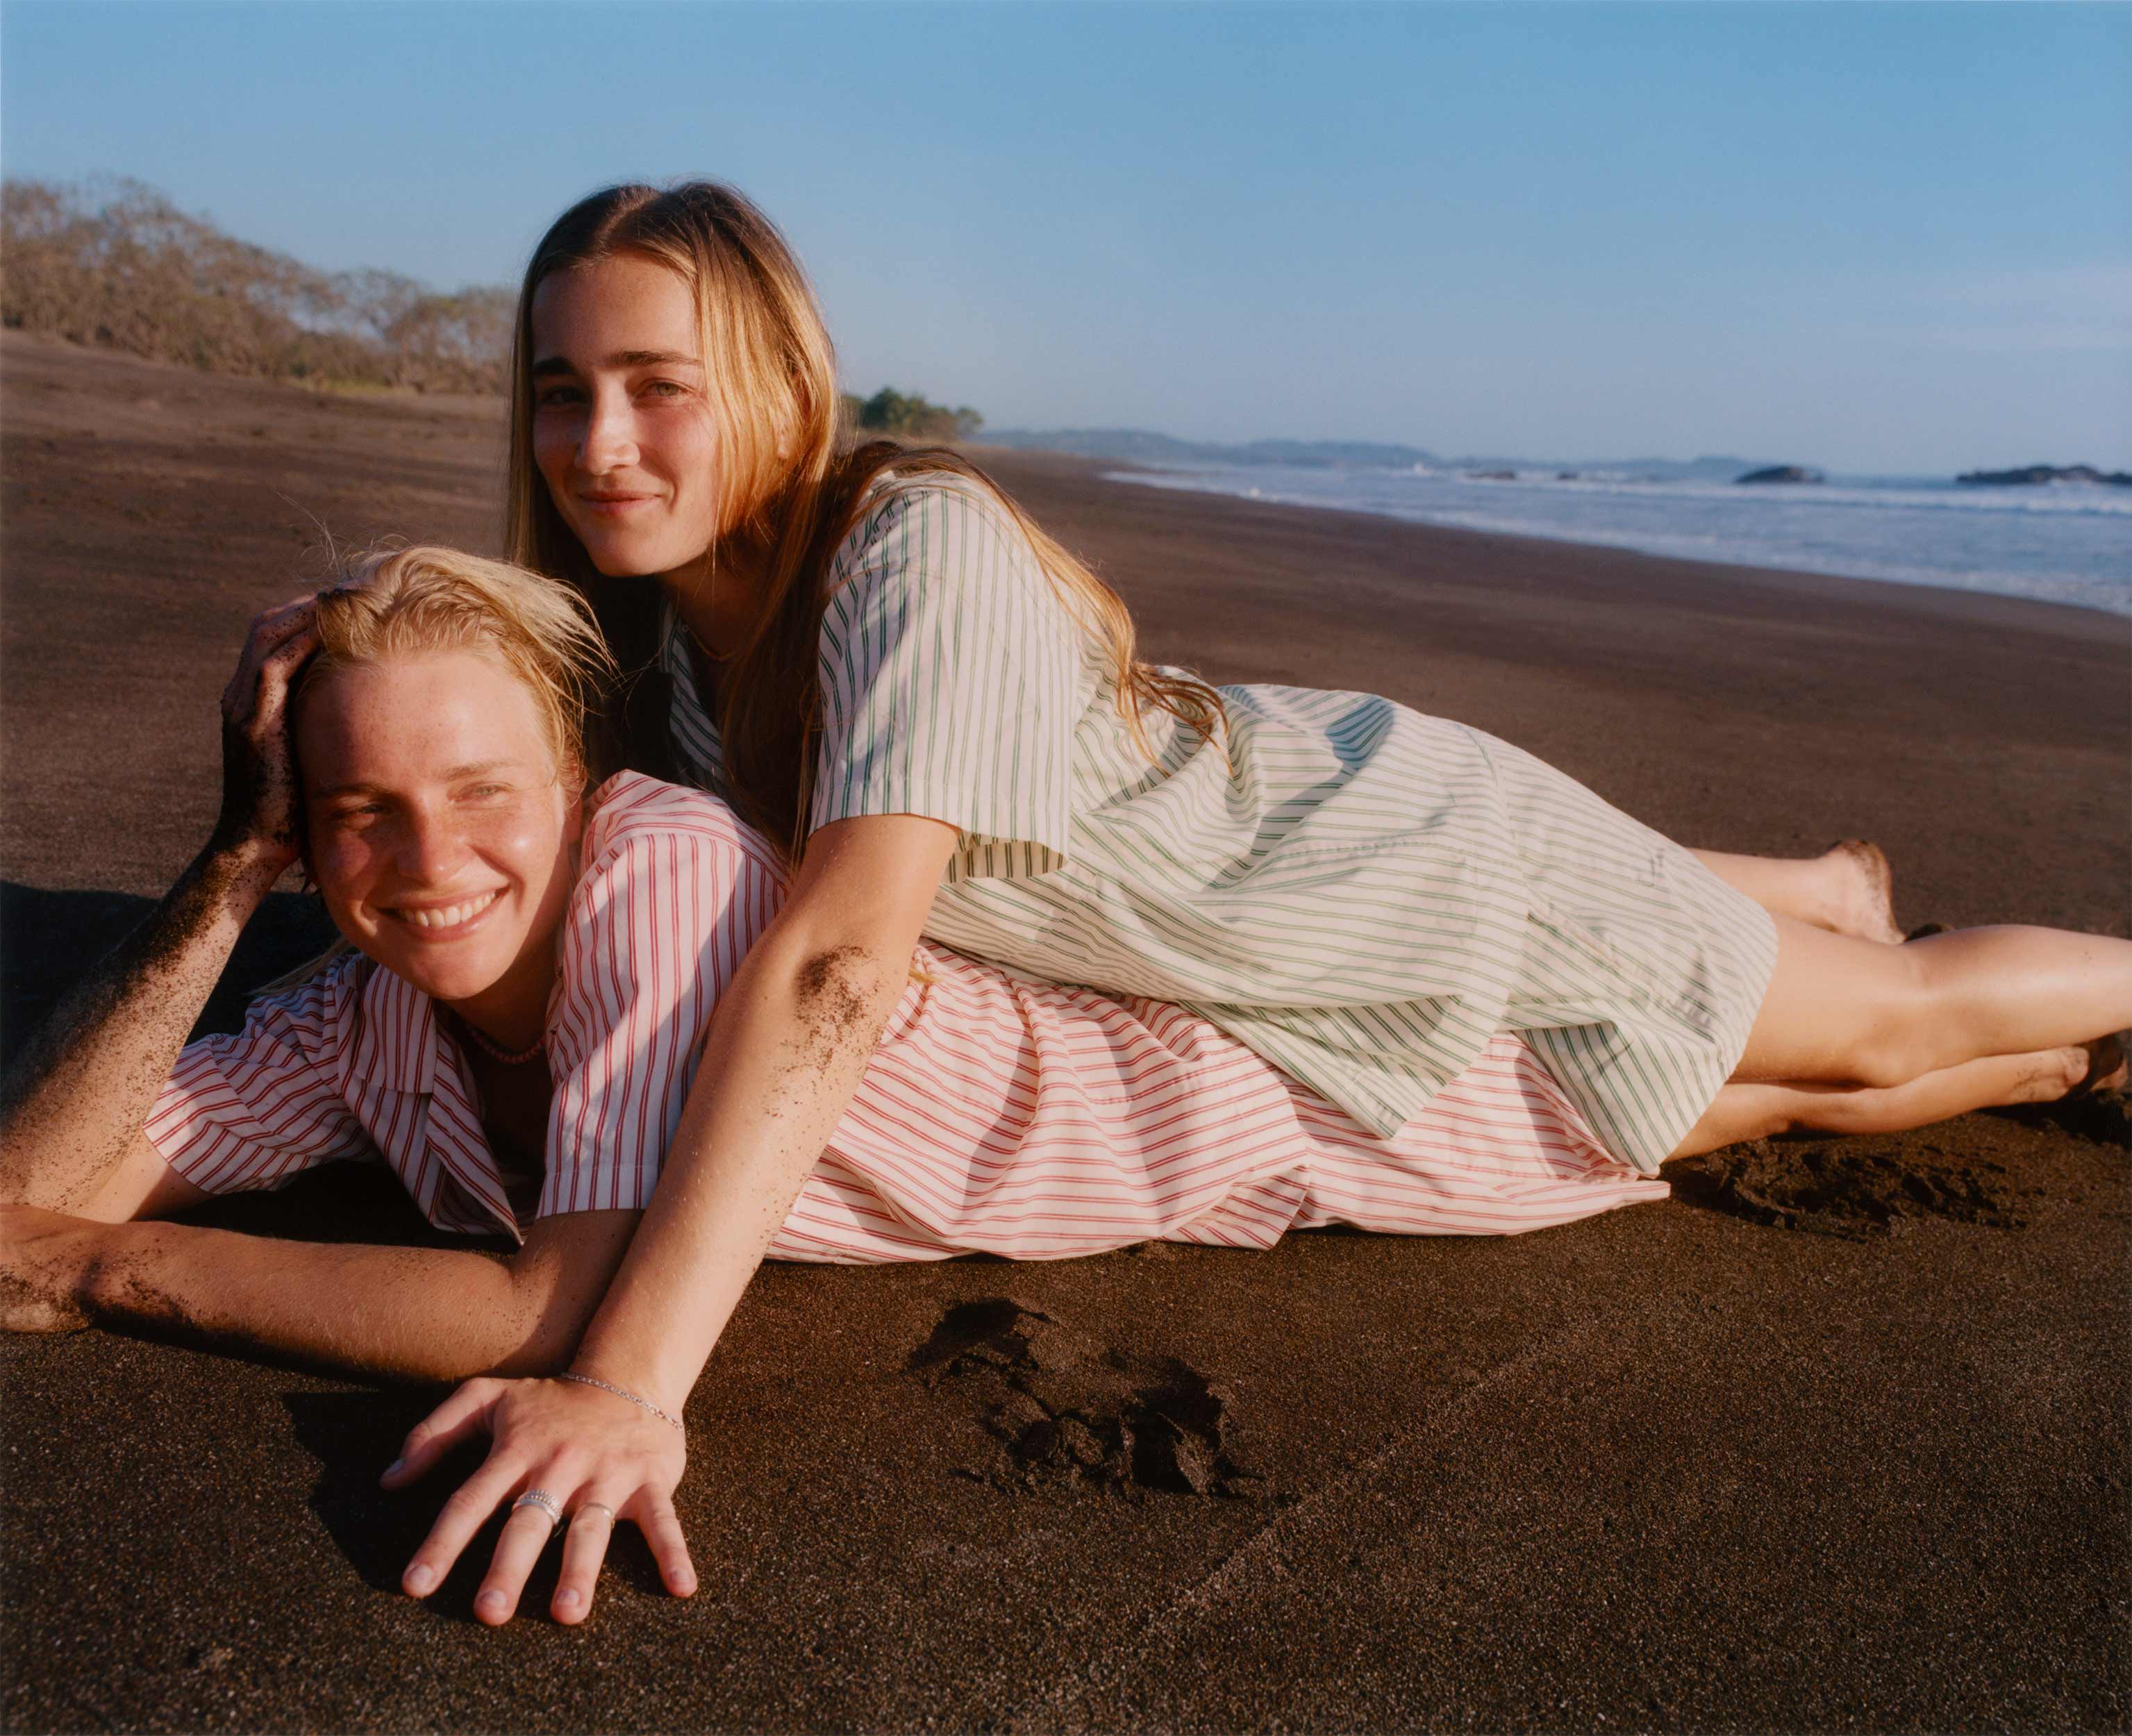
[[2065, 542]]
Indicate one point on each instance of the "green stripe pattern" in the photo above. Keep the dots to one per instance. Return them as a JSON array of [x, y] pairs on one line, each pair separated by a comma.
[[1363, 894]]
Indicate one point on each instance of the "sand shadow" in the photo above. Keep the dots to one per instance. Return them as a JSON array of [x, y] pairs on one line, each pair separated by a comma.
[[2101, 1118], [353, 1201], [48, 938], [354, 1436]]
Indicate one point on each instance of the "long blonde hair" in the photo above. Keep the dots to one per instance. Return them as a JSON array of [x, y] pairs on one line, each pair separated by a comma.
[[789, 488]]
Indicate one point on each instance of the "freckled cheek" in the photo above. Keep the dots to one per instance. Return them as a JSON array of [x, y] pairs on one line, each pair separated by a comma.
[[554, 448], [692, 517], [558, 497], [683, 453], [345, 874], [525, 854]]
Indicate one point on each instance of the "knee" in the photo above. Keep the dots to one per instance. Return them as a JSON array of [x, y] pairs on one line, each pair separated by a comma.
[[1899, 1038], [1740, 1113], [1883, 1064]]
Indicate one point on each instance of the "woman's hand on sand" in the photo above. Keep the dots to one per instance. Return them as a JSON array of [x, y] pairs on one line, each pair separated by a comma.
[[260, 800], [603, 1462]]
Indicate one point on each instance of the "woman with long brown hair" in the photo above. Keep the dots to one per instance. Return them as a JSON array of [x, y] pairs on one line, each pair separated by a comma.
[[939, 716]]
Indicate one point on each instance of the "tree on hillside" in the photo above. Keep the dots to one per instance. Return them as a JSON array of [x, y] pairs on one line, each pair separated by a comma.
[[115, 263], [907, 416], [462, 335]]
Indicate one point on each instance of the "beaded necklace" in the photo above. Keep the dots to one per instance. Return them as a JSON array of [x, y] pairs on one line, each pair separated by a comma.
[[496, 1052]]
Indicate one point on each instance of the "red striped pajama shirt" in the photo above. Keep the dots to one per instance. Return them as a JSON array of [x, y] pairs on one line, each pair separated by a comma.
[[1000, 1113]]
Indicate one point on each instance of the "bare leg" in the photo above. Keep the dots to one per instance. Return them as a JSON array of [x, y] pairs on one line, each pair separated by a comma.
[[1847, 889], [1839, 1011], [1756, 1111]]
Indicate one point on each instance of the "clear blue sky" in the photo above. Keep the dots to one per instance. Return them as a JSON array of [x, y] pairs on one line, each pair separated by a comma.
[[1875, 237]]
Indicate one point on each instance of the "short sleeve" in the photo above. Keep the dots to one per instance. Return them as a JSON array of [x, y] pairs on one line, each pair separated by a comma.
[[952, 680], [257, 1109], [659, 923]]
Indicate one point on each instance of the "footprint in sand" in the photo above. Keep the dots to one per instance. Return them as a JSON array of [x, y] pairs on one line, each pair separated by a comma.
[[1064, 1409], [1845, 1190]]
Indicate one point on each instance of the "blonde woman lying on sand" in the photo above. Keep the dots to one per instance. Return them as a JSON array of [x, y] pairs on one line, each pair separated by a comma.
[[533, 965]]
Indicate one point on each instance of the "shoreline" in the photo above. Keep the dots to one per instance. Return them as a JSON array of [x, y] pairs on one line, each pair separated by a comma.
[[1130, 472], [1991, 607]]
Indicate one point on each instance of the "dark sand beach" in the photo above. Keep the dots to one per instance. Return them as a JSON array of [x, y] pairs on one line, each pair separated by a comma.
[[1835, 1439]]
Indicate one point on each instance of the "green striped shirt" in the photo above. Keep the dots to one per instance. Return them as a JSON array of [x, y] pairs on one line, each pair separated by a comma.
[[1363, 894]]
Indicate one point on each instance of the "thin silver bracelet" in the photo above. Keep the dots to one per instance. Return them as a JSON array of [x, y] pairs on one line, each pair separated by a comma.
[[620, 1393]]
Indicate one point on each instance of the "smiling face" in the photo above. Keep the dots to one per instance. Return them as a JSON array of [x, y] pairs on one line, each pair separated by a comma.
[[440, 832], [622, 430]]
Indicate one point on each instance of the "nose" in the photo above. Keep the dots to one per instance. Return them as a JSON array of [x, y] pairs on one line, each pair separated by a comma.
[[609, 442], [430, 849]]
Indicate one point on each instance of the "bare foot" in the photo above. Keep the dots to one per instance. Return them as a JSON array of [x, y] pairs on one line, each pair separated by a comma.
[[2109, 1065], [1862, 892]]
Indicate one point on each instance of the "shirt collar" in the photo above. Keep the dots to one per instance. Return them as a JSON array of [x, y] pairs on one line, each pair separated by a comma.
[[695, 736], [402, 1047], [398, 1043]]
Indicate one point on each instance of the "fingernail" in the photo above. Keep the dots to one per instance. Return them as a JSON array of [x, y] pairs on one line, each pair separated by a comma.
[[396, 1467], [566, 1599], [490, 1600], [419, 1579]]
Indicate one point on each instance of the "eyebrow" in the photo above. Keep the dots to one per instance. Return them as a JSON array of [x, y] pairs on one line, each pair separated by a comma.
[[477, 768], [548, 365]]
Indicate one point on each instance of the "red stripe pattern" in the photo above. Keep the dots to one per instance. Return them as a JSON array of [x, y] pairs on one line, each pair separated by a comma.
[[1001, 1114]]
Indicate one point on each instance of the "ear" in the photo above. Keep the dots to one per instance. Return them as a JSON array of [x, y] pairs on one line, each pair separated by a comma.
[[301, 825], [577, 789]]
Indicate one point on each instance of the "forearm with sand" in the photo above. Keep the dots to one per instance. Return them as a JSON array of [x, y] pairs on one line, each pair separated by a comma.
[[409, 1313]]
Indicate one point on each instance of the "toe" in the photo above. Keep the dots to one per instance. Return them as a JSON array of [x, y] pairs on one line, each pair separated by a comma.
[[2108, 1062]]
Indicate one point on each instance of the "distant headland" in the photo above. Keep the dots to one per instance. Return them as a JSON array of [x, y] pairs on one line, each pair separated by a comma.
[[2038, 475], [1141, 446]]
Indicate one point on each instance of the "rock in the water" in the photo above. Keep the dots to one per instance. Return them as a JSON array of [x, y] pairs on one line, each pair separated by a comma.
[[1783, 473], [2030, 475]]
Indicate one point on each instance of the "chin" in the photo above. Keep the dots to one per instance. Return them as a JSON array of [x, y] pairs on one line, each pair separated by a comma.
[[445, 979], [615, 566], [622, 557]]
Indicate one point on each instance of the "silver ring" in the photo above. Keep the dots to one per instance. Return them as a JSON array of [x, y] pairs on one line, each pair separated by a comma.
[[593, 1507], [547, 1502]]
